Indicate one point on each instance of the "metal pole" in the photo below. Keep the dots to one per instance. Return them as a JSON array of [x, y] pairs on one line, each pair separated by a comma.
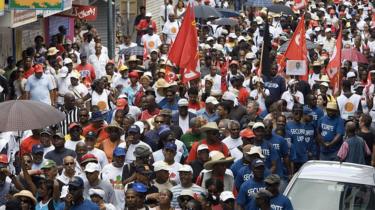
[[14, 53], [110, 31]]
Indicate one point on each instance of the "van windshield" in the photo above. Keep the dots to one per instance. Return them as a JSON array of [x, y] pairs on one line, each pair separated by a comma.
[[309, 194]]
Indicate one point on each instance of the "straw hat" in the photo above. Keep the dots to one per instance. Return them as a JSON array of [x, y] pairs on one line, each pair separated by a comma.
[[52, 51], [132, 58], [332, 106], [209, 126], [27, 194], [324, 78], [217, 157]]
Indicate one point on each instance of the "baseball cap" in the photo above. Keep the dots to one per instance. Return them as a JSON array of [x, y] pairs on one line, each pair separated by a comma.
[[350, 74], [202, 147], [257, 162], [160, 166], [187, 192], [38, 68], [141, 126], [258, 125], [37, 148], [272, 179], [133, 74], [183, 102], [212, 100], [88, 158], [119, 151], [97, 191], [92, 167], [46, 131], [97, 116], [325, 84], [256, 150], [76, 182], [247, 133], [134, 129], [185, 168], [48, 164], [229, 96], [225, 195], [67, 61], [164, 129], [307, 110], [171, 146], [139, 187]]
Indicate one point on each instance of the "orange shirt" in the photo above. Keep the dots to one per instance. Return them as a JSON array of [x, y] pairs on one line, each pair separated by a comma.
[[108, 146], [243, 95], [27, 144], [211, 147], [102, 133]]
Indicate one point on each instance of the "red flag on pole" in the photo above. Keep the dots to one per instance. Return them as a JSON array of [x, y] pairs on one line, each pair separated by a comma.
[[334, 65], [184, 51], [297, 49]]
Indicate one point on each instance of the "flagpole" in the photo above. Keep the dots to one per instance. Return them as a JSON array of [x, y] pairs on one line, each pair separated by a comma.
[[260, 71]]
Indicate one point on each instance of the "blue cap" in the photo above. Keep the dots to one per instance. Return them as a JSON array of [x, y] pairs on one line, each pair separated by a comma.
[[37, 148], [97, 116], [119, 151], [171, 146], [134, 129], [76, 182], [257, 162], [139, 187], [307, 110], [163, 129]]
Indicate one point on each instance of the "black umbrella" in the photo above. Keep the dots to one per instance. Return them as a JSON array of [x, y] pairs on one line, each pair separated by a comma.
[[227, 12], [204, 12], [226, 22], [132, 51], [309, 44], [258, 3], [279, 8], [21, 115]]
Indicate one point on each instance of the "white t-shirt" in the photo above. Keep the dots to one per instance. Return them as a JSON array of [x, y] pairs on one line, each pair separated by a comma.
[[99, 64], [259, 98], [287, 96], [171, 29], [100, 154], [151, 42], [100, 100], [114, 176], [216, 79], [173, 172], [79, 91], [72, 144], [348, 106]]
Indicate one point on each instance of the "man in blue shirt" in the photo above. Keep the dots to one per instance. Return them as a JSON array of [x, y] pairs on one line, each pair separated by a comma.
[[275, 83], [74, 199], [330, 132], [317, 113], [278, 200], [310, 133], [209, 112], [295, 134], [249, 188]]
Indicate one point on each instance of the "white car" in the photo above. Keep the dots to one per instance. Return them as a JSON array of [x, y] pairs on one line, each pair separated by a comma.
[[331, 185]]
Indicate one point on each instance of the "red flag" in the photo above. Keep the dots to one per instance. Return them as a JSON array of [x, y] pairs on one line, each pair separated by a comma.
[[334, 65], [184, 51], [170, 76], [297, 47], [145, 54]]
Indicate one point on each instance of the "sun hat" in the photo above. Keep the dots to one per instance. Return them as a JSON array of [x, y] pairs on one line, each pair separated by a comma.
[[255, 150], [27, 194], [161, 166], [209, 127], [186, 192], [217, 157], [52, 51]]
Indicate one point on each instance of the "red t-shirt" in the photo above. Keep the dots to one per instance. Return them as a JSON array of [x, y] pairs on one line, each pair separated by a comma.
[[28, 72], [211, 147], [87, 73], [145, 115], [27, 144]]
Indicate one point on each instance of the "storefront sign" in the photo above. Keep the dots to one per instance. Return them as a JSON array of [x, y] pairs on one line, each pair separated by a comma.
[[22, 17], [36, 4], [67, 4], [82, 12]]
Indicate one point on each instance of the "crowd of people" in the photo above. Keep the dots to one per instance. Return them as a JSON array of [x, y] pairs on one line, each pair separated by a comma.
[[133, 138]]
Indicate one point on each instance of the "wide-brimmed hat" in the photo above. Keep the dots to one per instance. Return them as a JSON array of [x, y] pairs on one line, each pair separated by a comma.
[[324, 78], [132, 58], [27, 194], [255, 150], [332, 106], [162, 83], [52, 51], [217, 157], [209, 127]]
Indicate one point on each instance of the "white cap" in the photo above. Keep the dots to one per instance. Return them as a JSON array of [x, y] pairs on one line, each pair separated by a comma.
[[325, 84], [229, 96], [141, 126], [350, 74], [317, 29], [255, 150], [92, 167], [232, 35], [225, 195], [160, 165], [147, 73], [183, 102], [97, 191], [67, 61], [202, 147], [224, 32], [258, 125], [210, 38], [328, 30], [63, 72], [212, 100], [250, 55], [148, 14], [292, 82], [218, 47], [185, 168], [259, 20], [241, 38]]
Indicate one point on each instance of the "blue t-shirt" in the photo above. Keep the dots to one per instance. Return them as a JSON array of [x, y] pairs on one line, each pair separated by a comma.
[[85, 205], [310, 138], [280, 202], [281, 148], [276, 86], [295, 134], [163, 104], [317, 114], [245, 174], [247, 192], [269, 153], [329, 128], [236, 166], [45, 207]]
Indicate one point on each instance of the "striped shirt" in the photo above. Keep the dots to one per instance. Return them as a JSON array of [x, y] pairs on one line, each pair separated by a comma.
[[70, 117], [176, 190]]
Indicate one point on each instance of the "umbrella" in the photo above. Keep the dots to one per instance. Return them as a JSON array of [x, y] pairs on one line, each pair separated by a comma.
[[352, 54], [227, 12], [226, 22], [21, 115], [279, 8], [133, 51], [204, 12], [309, 44], [258, 3]]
